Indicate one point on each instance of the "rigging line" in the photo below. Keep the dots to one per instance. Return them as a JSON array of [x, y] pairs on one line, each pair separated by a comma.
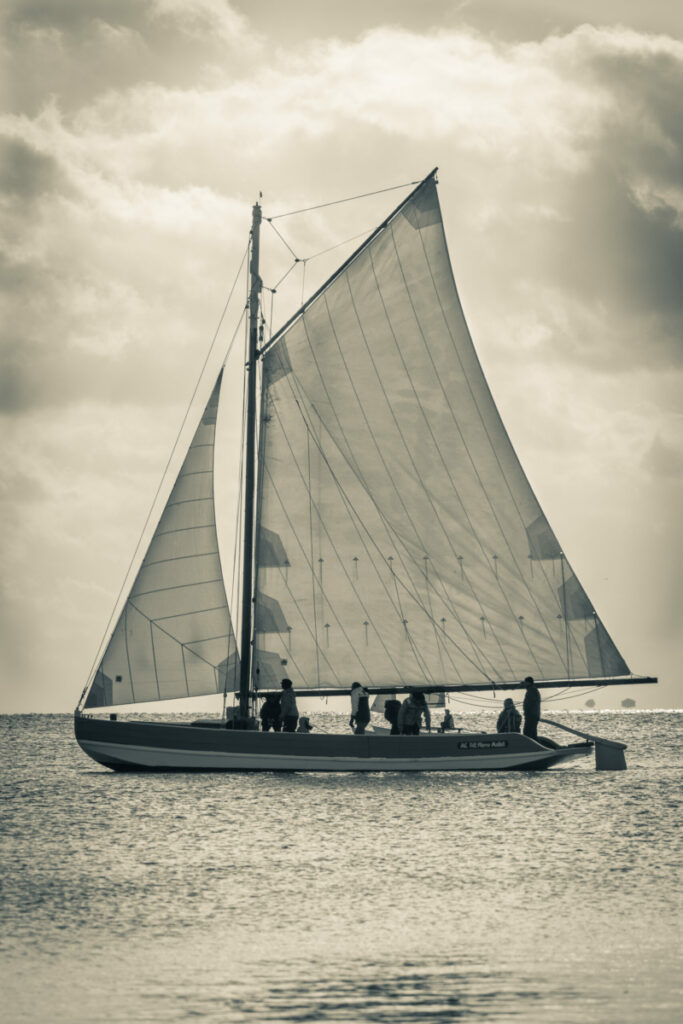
[[397, 423], [567, 690], [522, 576], [338, 245], [376, 546], [283, 278], [283, 240], [473, 702], [108, 630], [272, 304], [337, 202], [493, 447], [334, 548], [307, 259]]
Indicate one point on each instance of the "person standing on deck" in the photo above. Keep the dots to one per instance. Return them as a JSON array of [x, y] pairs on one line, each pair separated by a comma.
[[410, 715], [289, 712], [360, 708], [270, 713], [392, 708], [532, 708]]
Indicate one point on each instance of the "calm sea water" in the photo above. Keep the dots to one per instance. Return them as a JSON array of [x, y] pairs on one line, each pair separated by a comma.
[[341, 898]]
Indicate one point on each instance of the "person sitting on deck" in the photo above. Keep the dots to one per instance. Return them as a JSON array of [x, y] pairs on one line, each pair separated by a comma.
[[509, 720], [270, 713], [410, 715], [289, 712], [360, 708], [304, 724], [447, 724]]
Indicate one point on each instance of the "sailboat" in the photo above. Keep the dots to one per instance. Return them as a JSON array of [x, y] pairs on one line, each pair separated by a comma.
[[389, 536]]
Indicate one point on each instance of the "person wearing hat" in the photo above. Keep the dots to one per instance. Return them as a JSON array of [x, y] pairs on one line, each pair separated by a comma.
[[532, 708], [509, 720], [304, 724]]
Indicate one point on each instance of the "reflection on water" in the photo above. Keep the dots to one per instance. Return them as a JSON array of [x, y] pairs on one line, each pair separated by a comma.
[[374, 992], [340, 898]]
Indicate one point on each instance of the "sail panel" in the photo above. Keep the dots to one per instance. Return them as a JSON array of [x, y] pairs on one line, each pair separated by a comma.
[[416, 549], [174, 637]]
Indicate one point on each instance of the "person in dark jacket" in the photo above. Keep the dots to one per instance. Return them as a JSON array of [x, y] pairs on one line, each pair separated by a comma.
[[360, 708], [410, 715], [532, 708], [270, 713], [509, 720], [288, 709], [391, 710]]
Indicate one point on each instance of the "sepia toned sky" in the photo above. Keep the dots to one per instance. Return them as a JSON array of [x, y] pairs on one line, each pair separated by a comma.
[[136, 134]]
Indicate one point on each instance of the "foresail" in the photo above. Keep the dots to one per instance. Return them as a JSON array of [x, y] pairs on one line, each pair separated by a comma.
[[174, 637], [399, 541]]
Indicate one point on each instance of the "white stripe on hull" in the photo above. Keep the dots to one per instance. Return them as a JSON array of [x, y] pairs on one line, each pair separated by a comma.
[[158, 757]]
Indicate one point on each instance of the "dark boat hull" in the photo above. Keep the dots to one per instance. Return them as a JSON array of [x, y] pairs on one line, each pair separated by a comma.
[[157, 746]]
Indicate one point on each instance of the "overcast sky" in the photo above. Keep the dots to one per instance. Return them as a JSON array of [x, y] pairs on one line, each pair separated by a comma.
[[136, 134]]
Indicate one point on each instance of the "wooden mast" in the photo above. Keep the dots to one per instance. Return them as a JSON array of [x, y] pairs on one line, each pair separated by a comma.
[[249, 470]]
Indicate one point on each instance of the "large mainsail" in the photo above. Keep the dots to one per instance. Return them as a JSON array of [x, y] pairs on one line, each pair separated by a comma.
[[399, 541], [174, 637]]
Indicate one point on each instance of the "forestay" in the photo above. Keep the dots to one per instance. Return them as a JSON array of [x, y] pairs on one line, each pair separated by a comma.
[[174, 637], [399, 541]]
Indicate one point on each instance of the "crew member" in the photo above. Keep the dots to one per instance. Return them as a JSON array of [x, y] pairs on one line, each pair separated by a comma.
[[360, 708], [289, 712], [532, 708]]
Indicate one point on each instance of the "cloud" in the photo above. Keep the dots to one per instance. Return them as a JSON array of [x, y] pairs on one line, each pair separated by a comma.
[[665, 457], [115, 44], [124, 211]]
